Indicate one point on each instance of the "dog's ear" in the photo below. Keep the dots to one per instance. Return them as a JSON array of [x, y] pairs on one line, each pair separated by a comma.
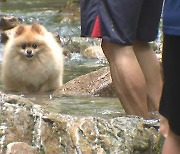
[[38, 28], [19, 30]]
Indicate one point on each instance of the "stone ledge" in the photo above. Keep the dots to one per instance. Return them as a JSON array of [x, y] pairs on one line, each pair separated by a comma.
[[23, 121]]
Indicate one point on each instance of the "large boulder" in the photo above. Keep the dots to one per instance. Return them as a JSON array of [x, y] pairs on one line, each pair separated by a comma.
[[52, 133], [97, 83]]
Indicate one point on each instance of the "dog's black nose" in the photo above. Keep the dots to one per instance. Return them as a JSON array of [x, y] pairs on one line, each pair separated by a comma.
[[29, 52]]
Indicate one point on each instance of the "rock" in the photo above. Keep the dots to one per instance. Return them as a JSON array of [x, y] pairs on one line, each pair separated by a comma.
[[8, 22], [54, 133], [94, 52], [72, 8], [20, 148], [4, 37], [97, 83], [6, 34], [78, 44], [67, 19]]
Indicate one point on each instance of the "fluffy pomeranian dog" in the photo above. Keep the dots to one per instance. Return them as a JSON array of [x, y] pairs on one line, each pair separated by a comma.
[[32, 61]]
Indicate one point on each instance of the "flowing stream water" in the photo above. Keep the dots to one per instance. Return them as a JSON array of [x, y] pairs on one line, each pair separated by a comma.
[[48, 13], [51, 14]]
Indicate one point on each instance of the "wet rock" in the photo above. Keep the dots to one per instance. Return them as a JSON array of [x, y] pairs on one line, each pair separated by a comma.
[[66, 20], [8, 22], [6, 34], [78, 44], [97, 83], [4, 37], [73, 9], [93, 52], [20, 148], [20, 125], [63, 134]]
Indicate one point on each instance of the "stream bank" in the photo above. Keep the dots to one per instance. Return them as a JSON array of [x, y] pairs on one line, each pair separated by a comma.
[[71, 125], [46, 132]]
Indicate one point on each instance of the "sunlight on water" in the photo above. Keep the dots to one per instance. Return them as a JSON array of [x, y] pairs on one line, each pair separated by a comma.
[[48, 13], [80, 105], [44, 12]]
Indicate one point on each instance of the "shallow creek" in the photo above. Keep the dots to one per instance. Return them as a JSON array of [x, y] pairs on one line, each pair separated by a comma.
[[48, 13]]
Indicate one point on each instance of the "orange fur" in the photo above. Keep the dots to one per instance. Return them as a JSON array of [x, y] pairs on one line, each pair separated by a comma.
[[32, 61]]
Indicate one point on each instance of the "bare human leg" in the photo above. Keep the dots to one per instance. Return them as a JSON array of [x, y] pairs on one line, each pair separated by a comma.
[[171, 144], [128, 78], [151, 69]]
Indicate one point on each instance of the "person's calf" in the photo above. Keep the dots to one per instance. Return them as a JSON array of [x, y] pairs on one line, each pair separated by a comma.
[[171, 144], [128, 78]]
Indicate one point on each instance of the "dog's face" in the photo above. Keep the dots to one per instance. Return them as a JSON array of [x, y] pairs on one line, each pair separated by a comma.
[[29, 49], [29, 40]]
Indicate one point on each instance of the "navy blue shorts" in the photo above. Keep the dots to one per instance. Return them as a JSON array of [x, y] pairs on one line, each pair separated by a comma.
[[170, 105], [121, 21]]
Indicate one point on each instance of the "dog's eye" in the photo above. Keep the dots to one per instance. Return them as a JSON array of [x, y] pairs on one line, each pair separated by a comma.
[[34, 45], [23, 46]]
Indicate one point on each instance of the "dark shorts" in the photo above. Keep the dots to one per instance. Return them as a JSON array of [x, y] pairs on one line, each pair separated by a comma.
[[170, 100], [120, 21]]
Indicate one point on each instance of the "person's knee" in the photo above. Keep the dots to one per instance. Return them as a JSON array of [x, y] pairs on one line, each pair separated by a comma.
[[106, 47], [139, 42], [115, 53], [141, 45]]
